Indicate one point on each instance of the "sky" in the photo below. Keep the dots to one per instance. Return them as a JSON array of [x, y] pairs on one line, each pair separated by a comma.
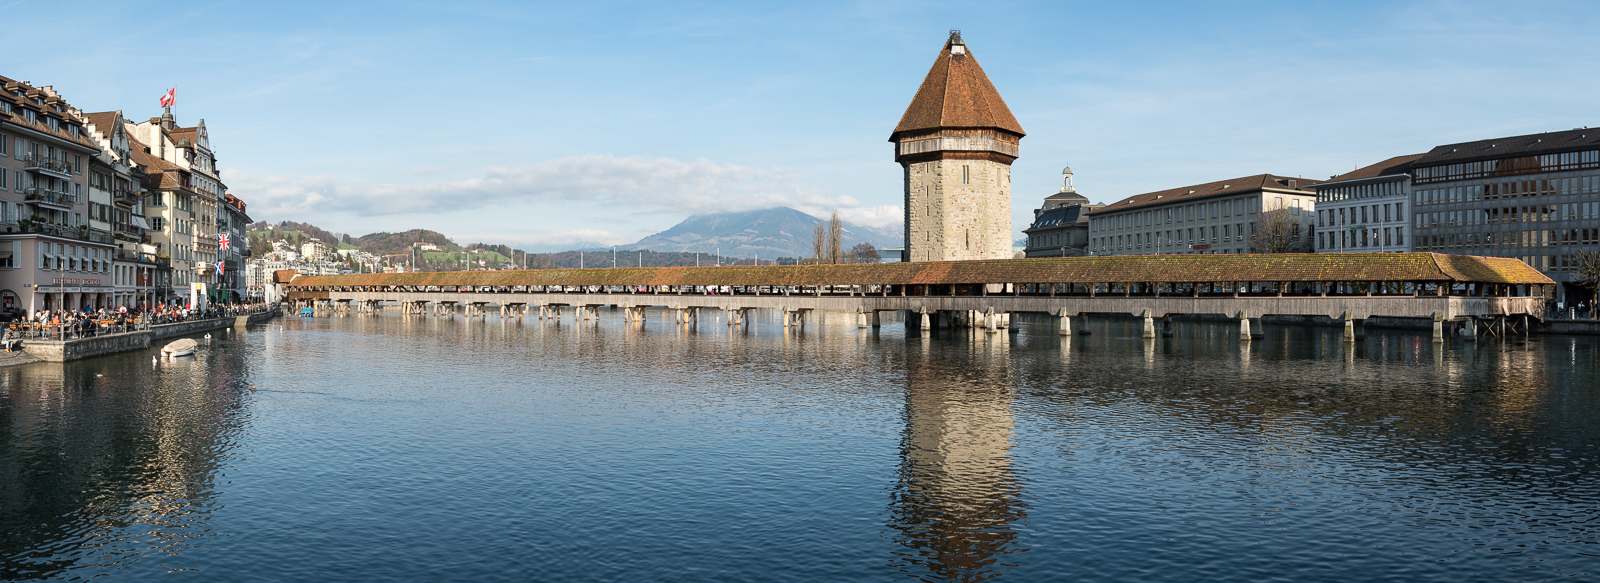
[[550, 126]]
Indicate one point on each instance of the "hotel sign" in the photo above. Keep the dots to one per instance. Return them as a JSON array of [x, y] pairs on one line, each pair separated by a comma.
[[76, 281]]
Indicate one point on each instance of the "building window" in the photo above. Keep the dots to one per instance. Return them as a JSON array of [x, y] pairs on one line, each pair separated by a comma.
[[966, 174]]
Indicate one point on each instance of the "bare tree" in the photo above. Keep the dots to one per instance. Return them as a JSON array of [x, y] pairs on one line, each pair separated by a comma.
[[1278, 231], [1588, 276], [865, 252], [819, 242], [836, 240]]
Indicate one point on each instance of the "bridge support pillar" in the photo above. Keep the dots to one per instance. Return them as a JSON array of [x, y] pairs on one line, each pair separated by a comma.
[[1469, 330], [1065, 323], [989, 319], [861, 319], [925, 321], [1149, 325], [1166, 326], [1438, 328], [875, 319], [1353, 329]]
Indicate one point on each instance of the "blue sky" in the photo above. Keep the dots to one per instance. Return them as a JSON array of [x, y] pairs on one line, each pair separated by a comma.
[[550, 125]]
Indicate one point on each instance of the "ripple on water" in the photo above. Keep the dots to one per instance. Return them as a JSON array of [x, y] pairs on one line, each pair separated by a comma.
[[425, 449]]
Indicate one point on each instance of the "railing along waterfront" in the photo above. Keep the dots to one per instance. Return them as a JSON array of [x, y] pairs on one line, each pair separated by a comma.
[[93, 325]]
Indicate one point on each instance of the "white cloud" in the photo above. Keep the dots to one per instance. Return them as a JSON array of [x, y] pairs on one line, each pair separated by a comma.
[[561, 240], [696, 187]]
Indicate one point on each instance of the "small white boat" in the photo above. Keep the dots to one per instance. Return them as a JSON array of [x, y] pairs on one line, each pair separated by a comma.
[[180, 347]]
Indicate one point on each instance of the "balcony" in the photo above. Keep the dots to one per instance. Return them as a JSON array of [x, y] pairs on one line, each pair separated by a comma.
[[127, 232], [126, 255], [52, 229], [125, 197], [49, 198], [47, 166]]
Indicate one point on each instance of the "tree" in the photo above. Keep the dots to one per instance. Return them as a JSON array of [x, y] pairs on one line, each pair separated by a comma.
[[819, 242], [1278, 231], [864, 252], [1589, 274], [836, 240]]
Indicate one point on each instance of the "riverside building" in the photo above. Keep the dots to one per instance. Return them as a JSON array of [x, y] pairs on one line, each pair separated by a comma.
[[1534, 197], [1214, 218], [49, 259], [1365, 210], [233, 225], [116, 205], [185, 203], [956, 143], [1061, 226]]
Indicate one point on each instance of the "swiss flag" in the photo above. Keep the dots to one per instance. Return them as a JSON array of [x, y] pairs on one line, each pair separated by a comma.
[[170, 98]]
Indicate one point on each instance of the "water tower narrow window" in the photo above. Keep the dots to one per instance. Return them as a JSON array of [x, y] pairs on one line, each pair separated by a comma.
[[966, 174]]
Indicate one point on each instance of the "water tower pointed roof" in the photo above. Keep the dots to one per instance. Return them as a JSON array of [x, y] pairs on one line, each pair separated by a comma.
[[956, 94]]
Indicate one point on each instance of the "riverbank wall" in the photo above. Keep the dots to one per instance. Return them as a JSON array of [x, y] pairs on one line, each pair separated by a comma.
[[81, 348], [1590, 327]]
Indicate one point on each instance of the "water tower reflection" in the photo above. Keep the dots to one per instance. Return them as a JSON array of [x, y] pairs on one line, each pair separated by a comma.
[[958, 498]]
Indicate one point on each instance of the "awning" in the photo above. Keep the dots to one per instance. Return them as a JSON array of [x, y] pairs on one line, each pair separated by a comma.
[[138, 221]]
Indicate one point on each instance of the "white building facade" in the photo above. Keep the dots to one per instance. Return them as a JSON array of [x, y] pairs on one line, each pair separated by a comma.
[[1215, 218], [1366, 210]]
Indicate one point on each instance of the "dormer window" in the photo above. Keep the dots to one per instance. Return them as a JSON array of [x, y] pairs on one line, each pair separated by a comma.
[[54, 125]]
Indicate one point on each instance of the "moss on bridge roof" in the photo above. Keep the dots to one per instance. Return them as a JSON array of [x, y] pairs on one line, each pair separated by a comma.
[[1342, 267]]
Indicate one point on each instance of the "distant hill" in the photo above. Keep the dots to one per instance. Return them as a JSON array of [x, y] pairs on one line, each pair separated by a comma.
[[400, 243], [776, 232]]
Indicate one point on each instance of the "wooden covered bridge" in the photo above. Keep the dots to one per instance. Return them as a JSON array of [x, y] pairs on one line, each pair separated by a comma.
[[1454, 291]]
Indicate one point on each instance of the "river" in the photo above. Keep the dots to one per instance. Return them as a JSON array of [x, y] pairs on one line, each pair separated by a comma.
[[436, 449]]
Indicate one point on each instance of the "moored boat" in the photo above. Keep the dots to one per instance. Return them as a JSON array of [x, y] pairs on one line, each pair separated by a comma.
[[179, 347]]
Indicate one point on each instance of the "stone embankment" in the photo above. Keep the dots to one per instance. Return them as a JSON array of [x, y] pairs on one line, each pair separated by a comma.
[[81, 348]]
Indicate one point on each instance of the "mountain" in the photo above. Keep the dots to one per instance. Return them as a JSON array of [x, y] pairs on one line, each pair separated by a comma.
[[775, 232], [400, 243]]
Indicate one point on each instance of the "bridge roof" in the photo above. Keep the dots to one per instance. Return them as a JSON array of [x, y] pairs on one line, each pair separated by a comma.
[[1342, 267]]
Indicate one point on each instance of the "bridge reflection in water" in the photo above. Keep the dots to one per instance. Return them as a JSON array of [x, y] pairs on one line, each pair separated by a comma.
[[958, 500]]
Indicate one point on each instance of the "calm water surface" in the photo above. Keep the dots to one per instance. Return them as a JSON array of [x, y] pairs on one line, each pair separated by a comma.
[[433, 449]]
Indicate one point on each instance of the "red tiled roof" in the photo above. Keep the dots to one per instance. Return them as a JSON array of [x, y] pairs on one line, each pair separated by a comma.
[[1220, 187], [956, 94], [40, 125], [1297, 267], [103, 120], [143, 157], [1396, 166]]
